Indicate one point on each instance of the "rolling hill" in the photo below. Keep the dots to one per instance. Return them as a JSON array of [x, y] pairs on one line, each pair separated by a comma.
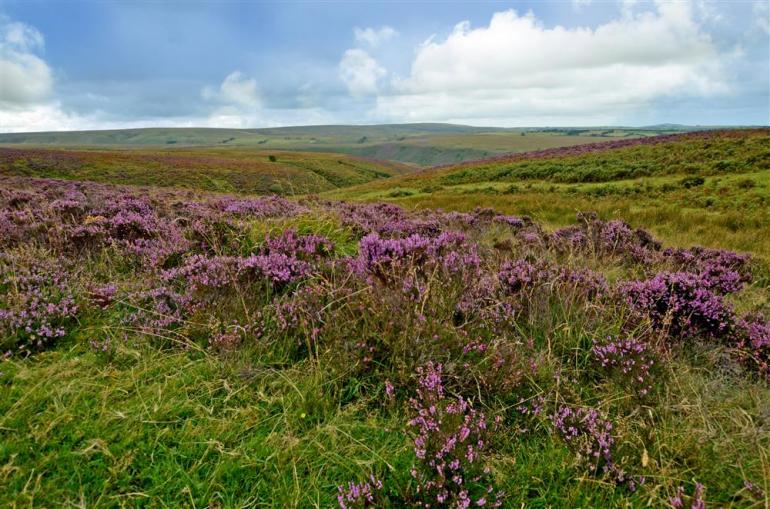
[[417, 144]]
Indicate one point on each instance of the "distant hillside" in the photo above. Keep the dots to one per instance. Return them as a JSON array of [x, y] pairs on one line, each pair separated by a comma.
[[223, 169], [339, 134], [416, 144]]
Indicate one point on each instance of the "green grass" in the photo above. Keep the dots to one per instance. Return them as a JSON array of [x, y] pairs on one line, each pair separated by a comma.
[[156, 428]]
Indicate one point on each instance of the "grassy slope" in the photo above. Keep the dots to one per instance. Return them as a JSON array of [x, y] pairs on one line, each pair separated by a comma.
[[643, 184], [212, 169]]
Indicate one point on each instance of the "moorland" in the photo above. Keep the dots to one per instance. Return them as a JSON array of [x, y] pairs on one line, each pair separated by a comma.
[[570, 323]]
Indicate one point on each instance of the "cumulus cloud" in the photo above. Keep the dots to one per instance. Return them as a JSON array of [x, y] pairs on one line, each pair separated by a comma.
[[374, 36], [360, 72], [236, 89], [518, 69], [25, 78], [237, 99]]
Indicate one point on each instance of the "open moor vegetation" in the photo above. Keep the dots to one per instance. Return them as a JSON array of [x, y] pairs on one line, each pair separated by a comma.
[[171, 347]]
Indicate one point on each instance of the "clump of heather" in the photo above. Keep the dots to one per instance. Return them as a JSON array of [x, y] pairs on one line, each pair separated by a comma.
[[371, 218], [513, 221], [102, 296], [37, 305], [521, 275], [201, 272], [606, 238], [415, 260], [679, 303], [587, 434], [283, 260], [359, 495], [753, 340], [585, 283], [277, 268], [721, 271], [590, 438], [629, 361], [160, 309], [451, 437], [291, 244]]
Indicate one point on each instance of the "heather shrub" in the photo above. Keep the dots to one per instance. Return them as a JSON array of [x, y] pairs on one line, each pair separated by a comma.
[[359, 495], [160, 310], [606, 239], [449, 445], [680, 304], [590, 437], [37, 305], [753, 342], [628, 361]]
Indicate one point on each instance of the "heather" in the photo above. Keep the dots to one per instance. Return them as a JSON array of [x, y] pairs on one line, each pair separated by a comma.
[[172, 347]]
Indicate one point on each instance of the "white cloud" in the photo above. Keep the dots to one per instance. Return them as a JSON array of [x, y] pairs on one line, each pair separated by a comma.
[[36, 117], [22, 36], [25, 78], [239, 104], [360, 72], [236, 89], [374, 36], [517, 70]]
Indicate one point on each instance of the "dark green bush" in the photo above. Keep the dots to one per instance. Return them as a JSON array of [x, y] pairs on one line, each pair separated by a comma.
[[692, 181]]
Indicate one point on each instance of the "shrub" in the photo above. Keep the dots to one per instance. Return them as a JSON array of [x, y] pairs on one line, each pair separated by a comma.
[[451, 437], [692, 181], [37, 306], [679, 303], [629, 361], [400, 193]]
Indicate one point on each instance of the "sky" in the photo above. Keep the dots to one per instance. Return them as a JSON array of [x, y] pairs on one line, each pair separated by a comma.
[[80, 64]]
